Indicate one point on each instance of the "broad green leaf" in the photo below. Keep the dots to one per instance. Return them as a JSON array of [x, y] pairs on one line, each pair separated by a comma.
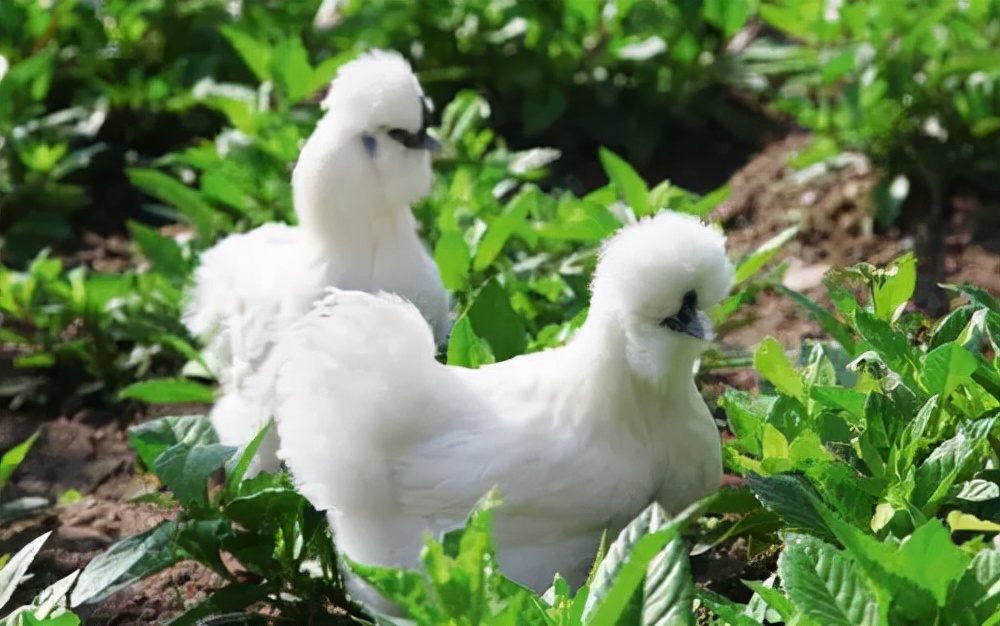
[[186, 469], [792, 499], [152, 438], [466, 348], [163, 252], [839, 398], [729, 15], [890, 344], [15, 569], [668, 592], [13, 458], [178, 195], [254, 52], [290, 68], [949, 461], [168, 391], [237, 465], [451, 253], [629, 184], [772, 364], [825, 584], [947, 367], [951, 326], [409, 590], [126, 562], [509, 222], [624, 567], [619, 576], [976, 598], [965, 521], [763, 255], [495, 321], [932, 560], [977, 295], [773, 601], [977, 490]]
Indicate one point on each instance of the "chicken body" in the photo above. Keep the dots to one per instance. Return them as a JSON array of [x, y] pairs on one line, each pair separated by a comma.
[[577, 439]]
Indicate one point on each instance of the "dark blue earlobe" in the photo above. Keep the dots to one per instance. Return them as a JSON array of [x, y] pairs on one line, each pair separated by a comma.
[[370, 144]]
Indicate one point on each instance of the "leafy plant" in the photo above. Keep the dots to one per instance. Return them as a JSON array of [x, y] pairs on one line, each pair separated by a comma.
[[914, 85], [50, 607], [281, 546], [883, 442]]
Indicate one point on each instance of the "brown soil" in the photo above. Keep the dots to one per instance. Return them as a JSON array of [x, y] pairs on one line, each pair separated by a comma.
[[90, 454]]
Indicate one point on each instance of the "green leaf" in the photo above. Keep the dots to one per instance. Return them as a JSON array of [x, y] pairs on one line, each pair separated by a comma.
[[15, 569], [126, 562], [894, 286], [167, 391], [13, 458], [291, 70], [629, 184], [465, 348], [792, 498], [510, 221], [163, 252], [890, 344], [150, 439], [619, 576], [770, 361], [451, 253], [186, 469], [825, 584], [236, 466], [947, 367], [958, 521], [255, 53], [950, 461], [839, 398], [729, 15], [409, 590], [178, 195], [494, 320], [763, 255], [977, 295], [668, 592], [977, 595]]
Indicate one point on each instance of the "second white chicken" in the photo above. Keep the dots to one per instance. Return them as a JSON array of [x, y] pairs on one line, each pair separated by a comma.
[[353, 185], [578, 439]]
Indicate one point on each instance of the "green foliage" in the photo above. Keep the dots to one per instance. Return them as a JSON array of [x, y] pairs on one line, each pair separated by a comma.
[[50, 607], [12, 459], [915, 85], [566, 69], [644, 578], [876, 455], [281, 544]]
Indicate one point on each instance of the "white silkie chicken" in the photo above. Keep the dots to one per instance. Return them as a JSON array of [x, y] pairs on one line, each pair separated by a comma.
[[366, 162], [578, 439]]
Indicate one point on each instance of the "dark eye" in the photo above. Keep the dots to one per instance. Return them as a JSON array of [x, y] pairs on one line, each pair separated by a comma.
[[686, 317], [405, 137]]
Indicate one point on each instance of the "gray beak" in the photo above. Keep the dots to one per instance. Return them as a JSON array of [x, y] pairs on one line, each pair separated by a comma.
[[431, 144], [419, 140], [687, 320]]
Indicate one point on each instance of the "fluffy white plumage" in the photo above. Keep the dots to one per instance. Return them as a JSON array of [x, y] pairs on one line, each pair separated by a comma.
[[578, 439], [365, 163]]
